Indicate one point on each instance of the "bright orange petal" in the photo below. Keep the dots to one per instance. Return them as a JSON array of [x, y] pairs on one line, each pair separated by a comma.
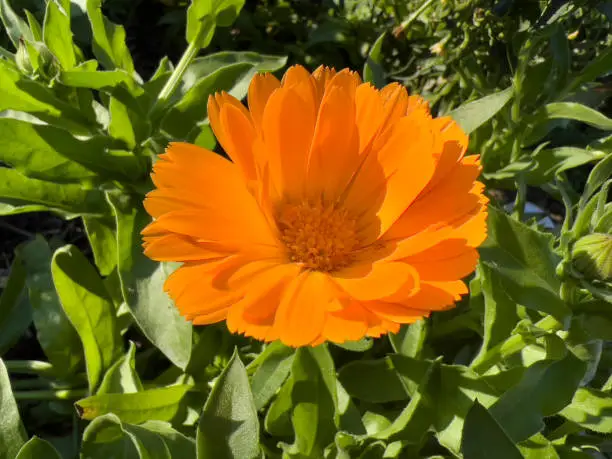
[[348, 324], [369, 114], [173, 247], [366, 282], [261, 88]]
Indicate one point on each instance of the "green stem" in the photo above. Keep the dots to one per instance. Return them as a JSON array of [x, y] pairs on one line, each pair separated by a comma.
[[61, 394], [172, 84], [408, 22], [512, 345], [30, 367]]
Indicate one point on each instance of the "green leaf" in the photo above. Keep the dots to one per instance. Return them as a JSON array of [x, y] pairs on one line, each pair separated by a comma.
[[122, 378], [472, 115], [20, 93], [88, 306], [205, 14], [124, 123], [37, 448], [16, 189], [484, 438], [108, 437], [142, 285], [109, 45], [161, 404], [374, 381], [545, 389], [56, 334], [600, 174], [410, 339], [274, 365], [101, 233], [16, 28], [598, 66], [525, 262], [15, 310], [590, 408], [101, 81], [12, 433], [35, 27], [314, 401], [372, 69], [361, 345], [58, 36], [229, 427], [500, 316], [42, 152]]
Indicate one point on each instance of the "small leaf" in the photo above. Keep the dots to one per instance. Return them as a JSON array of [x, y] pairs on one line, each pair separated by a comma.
[[102, 236], [373, 381], [472, 115], [161, 404], [599, 175], [122, 378], [372, 69], [16, 28], [12, 433], [229, 427], [204, 14], [590, 409], [109, 44], [37, 448], [56, 334], [142, 285], [88, 306], [484, 438], [410, 339], [274, 365], [58, 36]]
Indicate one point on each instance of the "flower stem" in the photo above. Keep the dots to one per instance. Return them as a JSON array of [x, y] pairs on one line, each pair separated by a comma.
[[30, 367], [408, 22], [61, 394], [512, 345], [172, 84]]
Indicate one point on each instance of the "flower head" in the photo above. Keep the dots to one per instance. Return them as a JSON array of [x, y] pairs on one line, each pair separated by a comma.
[[344, 212]]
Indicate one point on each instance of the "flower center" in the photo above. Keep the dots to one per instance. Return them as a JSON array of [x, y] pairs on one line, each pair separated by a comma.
[[317, 235]]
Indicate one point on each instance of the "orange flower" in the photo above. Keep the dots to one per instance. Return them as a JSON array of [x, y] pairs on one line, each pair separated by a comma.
[[344, 212]]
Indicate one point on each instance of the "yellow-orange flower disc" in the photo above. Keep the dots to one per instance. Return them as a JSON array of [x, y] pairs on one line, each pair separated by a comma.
[[344, 212]]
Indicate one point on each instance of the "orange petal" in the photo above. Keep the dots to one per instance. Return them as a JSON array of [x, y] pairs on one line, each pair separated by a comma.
[[322, 76], [367, 282], [436, 296], [395, 103], [288, 127], [394, 312], [369, 108], [334, 153], [239, 135], [450, 260], [300, 317], [348, 324], [173, 247], [452, 145], [261, 88]]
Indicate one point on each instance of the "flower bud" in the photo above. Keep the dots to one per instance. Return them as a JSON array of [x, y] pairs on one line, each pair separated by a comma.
[[592, 256]]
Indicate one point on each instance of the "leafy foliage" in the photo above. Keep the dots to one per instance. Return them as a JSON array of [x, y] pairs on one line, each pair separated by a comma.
[[521, 368]]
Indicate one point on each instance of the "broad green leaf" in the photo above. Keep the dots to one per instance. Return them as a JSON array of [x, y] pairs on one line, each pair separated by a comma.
[[314, 401], [274, 365], [600, 174], [278, 417], [19, 93], [373, 381], [142, 283], [372, 69], [43, 152], [109, 44], [472, 115], [108, 437], [56, 334], [598, 66], [229, 427], [105, 80], [125, 124], [101, 233], [16, 28], [545, 389], [58, 36], [37, 448], [500, 316], [12, 433], [591, 409], [161, 404], [88, 306], [16, 189], [203, 15], [122, 378], [484, 438], [410, 339], [538, 447], [15, 310], [525, 262]]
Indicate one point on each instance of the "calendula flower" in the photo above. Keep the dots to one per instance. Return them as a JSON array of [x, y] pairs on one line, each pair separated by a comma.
[[344, 211]]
